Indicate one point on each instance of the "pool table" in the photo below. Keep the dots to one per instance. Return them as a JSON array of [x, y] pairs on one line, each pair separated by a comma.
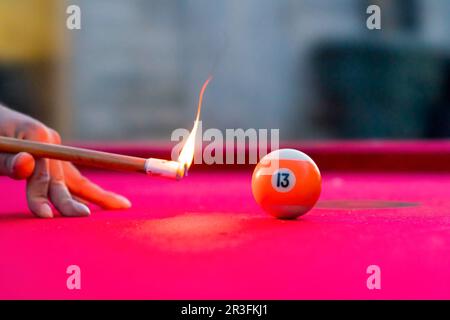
[[383, 203]]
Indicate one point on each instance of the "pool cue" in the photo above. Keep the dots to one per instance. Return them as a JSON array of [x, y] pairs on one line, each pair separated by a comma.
[[93, 158]]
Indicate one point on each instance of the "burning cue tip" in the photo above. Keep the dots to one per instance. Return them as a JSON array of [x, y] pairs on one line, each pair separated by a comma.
[[165, 168]]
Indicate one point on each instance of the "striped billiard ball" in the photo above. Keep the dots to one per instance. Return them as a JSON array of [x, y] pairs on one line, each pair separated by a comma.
[[286, 183]]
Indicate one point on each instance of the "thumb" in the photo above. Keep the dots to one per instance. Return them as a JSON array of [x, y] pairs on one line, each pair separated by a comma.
[[17, 166]]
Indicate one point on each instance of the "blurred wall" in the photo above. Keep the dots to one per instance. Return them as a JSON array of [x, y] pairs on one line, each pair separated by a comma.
[[138, 65]]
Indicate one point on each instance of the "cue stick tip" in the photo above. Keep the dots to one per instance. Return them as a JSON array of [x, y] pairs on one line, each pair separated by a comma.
[[165, 168]]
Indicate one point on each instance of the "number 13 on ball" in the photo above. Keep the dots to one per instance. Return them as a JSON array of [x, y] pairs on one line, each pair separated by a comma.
[[286, 183]]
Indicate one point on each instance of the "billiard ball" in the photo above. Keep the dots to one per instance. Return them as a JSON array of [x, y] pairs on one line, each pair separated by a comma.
[[286, 183]]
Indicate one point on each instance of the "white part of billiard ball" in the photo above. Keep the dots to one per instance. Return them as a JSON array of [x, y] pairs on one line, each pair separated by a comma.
[[283, 180], [289, 154]]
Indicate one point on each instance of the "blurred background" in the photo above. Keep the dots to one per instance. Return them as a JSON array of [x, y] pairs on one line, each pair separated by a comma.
[[308, 67]]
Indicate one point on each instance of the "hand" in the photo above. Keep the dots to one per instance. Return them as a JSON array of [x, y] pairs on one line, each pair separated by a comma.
[[50, 181]]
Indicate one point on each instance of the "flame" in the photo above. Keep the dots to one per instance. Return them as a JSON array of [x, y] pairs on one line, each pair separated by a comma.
[[187, 153]]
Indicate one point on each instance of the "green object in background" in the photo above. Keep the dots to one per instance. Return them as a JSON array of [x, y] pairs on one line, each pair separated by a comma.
[[379, 89]]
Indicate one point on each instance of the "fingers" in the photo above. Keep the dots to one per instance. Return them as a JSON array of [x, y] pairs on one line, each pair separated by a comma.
[[82, 187], [81, 200], [47, 182], [51, 180], [36, 131], [60, 195], [61, 198], [37, 190], [38, 182], [17, 166]]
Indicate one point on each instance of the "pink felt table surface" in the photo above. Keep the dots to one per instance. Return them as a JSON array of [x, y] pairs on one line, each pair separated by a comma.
[[205, 238]]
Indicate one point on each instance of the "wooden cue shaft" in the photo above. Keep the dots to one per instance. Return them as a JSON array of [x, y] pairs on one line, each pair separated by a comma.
[[80, 156]]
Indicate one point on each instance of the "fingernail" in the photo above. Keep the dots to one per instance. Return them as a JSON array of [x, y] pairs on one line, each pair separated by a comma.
[[82, 209], [45, 211], [125, 203]]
